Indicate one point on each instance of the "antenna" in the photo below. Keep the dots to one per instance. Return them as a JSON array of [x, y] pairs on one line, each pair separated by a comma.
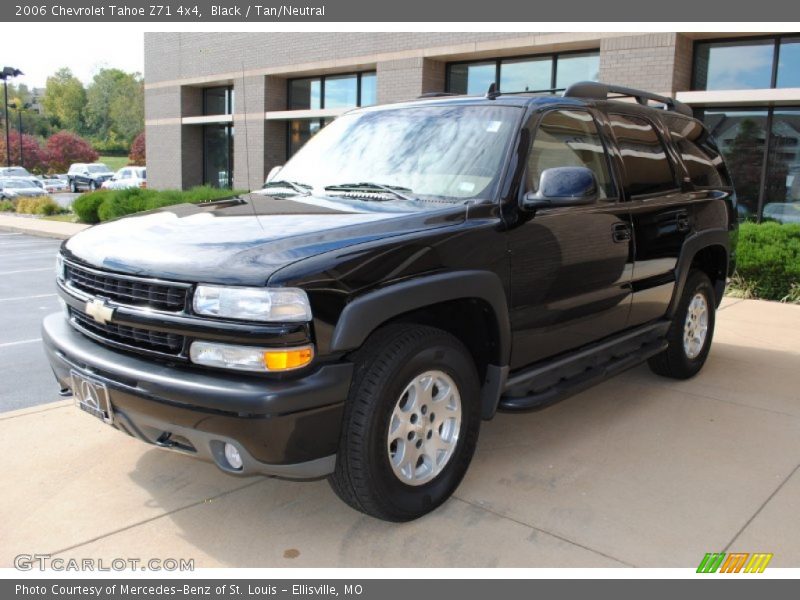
[[246, 137], [492, 92]]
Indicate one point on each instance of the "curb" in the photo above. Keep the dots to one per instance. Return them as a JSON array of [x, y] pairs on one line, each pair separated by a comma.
[[49, 229]]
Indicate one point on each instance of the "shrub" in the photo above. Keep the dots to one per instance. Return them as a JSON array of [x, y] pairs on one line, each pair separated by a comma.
[[65, 148], [7, 206], [43, 205], [105, 205], [87, 205], [768, 260], [137, 155], [34, 157]]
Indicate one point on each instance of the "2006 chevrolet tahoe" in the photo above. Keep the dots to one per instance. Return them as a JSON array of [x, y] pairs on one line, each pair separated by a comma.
[[413, 269]]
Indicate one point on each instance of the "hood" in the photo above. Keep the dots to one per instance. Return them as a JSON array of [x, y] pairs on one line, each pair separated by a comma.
[[241, 242]]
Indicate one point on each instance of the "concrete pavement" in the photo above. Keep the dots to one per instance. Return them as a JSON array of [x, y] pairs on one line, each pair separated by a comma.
[[639, 471], [39, 227]]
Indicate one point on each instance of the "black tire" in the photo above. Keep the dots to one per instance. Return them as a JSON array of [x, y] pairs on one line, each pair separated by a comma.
[[390, 359], [73, 186], [674, 362], [93, 186]]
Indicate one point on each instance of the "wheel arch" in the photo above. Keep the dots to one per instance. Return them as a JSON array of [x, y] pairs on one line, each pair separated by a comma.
[[708, 251], [471, 305]]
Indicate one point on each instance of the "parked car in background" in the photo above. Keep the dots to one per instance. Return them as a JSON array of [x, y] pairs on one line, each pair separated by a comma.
[[54, 185], [83, 176], [16, 173], [22, 187], [782, 212], [127, 177], [8, 194]]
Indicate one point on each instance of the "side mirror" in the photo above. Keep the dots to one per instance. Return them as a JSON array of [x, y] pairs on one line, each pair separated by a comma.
[[273, 172], [562, 186]]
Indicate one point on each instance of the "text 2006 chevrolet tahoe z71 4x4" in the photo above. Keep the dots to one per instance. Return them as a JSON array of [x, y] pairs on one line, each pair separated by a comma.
[[412, 270]]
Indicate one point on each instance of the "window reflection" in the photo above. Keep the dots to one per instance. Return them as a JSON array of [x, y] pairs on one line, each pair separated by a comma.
[[472, 79], [525, 75], [218, 155], [789, 63], [646, 166], [782, 190], [736, 65]]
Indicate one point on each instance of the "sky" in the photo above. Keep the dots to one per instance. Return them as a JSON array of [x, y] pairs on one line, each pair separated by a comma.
[[83, 52]]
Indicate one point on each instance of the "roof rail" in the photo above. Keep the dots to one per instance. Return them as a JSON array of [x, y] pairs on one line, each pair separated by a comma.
[[600, 91]]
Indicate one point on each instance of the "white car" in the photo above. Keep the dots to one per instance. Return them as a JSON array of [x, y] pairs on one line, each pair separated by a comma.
[[17, 173], [21, 187], [783, 212], [127, 177], [53, 185]]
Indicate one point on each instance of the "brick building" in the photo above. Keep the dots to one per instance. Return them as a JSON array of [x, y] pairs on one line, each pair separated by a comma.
[[224, 108]]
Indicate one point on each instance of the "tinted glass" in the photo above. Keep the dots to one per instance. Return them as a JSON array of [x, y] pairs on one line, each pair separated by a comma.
[[304, 94], [741, 136], [782, 185], [217, 101], [300, 131], [341, 91], [698, 152], [572, 68], [442, 153], [567, 138], [217, 155], [646, 165], [473, 78], [526, 74], [789, 63], [734, 65], [369, 95]]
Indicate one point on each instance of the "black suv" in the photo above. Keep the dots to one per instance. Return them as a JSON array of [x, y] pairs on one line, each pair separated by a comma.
[[412, 270], [87, 176]]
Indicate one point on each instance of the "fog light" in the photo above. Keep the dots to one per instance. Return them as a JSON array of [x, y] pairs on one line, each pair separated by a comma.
[[249, 358], [233, 457]]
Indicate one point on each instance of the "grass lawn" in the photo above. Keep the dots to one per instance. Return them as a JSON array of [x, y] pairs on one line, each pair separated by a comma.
[[67, 217], [114, 162]]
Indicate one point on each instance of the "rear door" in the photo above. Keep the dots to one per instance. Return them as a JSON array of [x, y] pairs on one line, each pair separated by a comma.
[[660, 210], [570, 266]]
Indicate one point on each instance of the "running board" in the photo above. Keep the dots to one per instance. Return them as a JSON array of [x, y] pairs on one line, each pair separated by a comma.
[[560, 378]]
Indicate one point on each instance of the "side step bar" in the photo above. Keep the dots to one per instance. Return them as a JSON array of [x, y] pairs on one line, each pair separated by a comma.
[[560, 378]]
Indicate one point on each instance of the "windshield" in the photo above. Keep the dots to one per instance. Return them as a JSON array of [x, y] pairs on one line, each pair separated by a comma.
[[440, 153], [98, 169], [16, 172], [15, 184]]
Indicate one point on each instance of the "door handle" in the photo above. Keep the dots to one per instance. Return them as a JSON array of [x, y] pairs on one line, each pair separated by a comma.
[[682, 221], [621, 233]]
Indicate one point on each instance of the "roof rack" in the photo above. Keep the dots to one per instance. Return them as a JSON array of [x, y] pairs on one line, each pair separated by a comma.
[[601, 91]]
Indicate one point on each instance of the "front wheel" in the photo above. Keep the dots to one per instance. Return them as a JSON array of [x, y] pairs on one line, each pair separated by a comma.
[[73, 186], [411, 423], [93, 186], [689, 336]]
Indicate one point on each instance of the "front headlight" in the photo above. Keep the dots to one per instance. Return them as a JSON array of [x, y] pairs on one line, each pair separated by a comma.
[[252, 304]]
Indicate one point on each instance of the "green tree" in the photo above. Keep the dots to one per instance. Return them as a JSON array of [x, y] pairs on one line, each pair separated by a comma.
[[115, 105], [64, 100]]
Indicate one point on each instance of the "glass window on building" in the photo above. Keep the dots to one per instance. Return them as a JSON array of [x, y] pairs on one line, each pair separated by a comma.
[[369, 89], [782, 186], [330, 91], [524, 75], [305, 94], [646, 166], [788, 75], [741, 135], [341, 91], [218, 155], [572, 68], [218, 100], [747, 64], [472, 78], [531, 73]]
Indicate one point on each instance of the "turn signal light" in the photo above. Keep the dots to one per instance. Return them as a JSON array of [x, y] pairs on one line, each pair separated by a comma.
[[283, 360]]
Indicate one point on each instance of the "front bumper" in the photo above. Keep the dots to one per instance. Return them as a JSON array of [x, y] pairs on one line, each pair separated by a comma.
[[285, 428]]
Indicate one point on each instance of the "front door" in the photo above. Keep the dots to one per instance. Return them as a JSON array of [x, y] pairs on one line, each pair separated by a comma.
[[570, 266]]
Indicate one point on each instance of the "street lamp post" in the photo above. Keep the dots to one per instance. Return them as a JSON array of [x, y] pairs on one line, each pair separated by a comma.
[[4, 75], [19, 110]]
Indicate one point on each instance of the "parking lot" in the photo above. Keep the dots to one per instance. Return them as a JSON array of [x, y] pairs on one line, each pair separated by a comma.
[[639, 471]]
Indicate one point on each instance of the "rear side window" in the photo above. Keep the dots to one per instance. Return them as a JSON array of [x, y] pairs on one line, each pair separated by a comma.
[[698, 152], [643, 154], [569, 138]]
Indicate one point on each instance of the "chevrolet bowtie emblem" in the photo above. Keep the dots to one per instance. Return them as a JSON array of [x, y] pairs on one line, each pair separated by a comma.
[[98, 310]]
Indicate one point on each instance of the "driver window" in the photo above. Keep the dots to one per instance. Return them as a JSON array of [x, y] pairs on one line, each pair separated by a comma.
[[569, 138]]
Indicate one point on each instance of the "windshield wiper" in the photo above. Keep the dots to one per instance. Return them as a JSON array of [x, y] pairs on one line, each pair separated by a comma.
[[300, 188], [368, 186]]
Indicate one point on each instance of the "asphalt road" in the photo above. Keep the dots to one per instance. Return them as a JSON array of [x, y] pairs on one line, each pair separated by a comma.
[[64, 199], [27, 294]]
